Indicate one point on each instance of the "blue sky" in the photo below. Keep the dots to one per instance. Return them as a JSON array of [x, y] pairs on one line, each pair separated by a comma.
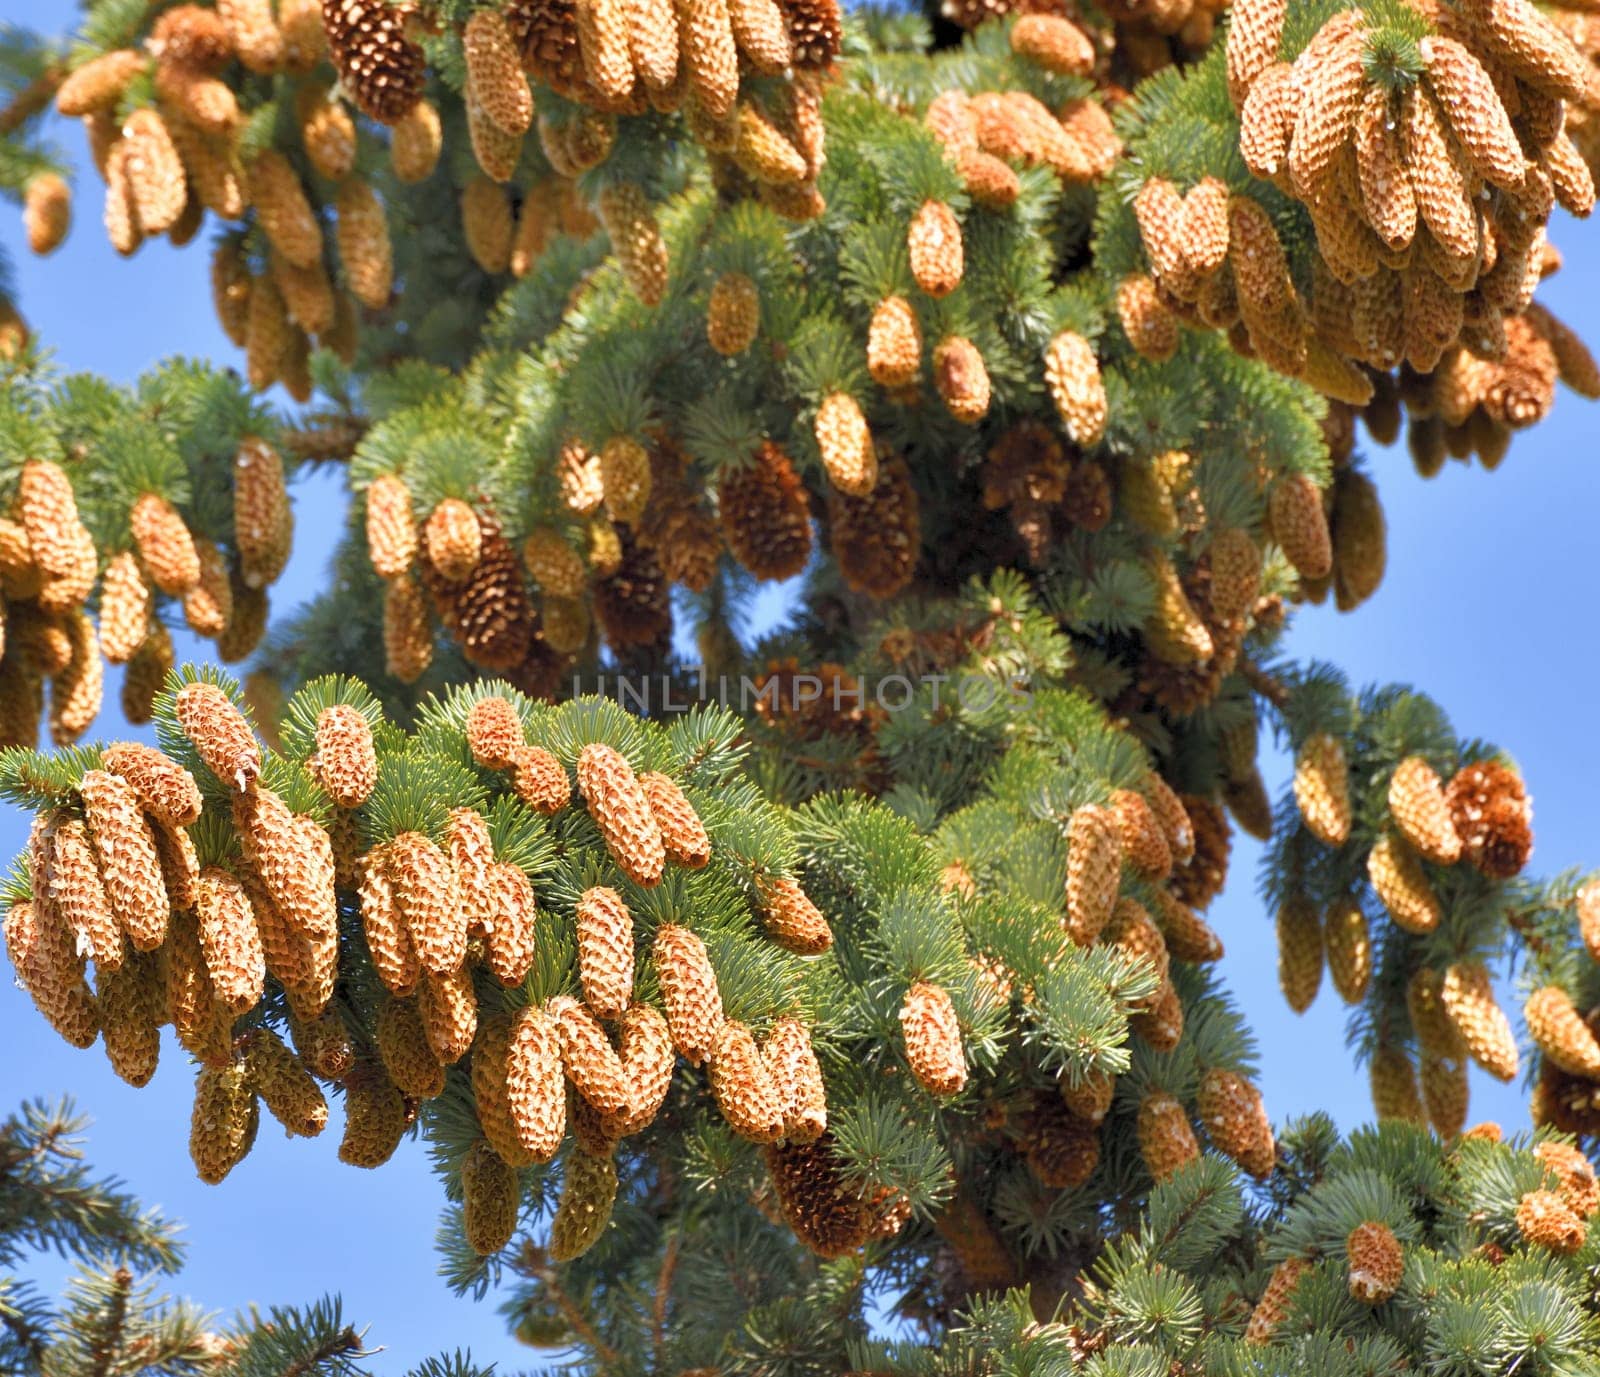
[[1489, 605]]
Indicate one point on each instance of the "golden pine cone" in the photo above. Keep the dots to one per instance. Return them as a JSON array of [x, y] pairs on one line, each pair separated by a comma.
[[622, 812], [1054, 43], [1468, 998], [1133, 932], [1176, 633], [1587, 903], [494, 72], [534, 1084], [510, 945], [365, 250], [1393, 1082], [689, 991], [1061, 1151], [1091, 1100], [132, 1000], [1300, 526], [792, 1064], [263, 520], [1188, 936], [77, 691], [605, 952], [230, 941], [415, 144], [682, 833], [72, 891], [403, 1048], [382, 70], [494, 733], [1072, 373], [391, 526], [98, 84], [934, 244], [449, 1008], [145, 676], [764, 152], [1322, 788], [291, 1096], [124, 609], [653, 42], [591, 1061], [962, 379], [1273, 1307], [374, 1117], [1445, 1093], [1376, 1262], [453, 540], [165, 789], [471, 851], [648, 1058], [846, 446], [1299, 953], [1330, 93], [490, 1052], [1151, 328], [553, 564], [208, 606], [429, 901], [1166, 1139], [1579, 1189], [894, 343], [1144, 843], [1094, 871], [48, 513], [710, 54], [588, 1192], [222, 1125], [733, 314], [1200, 879], [1233, 1114], [625, 478], [46, 212], [204, 1028], [877, 540], [933, 1040], [743, 1087], [790, 918], [346, 762], [1173, 814], [219, 733], [1253, 41], [630, 222], [540, 781], [1560, 1032], [817, 1202], [407, 638], [1417, 805], [1349, 949], [1546, 1221], [1397, 875], [1444, 204]]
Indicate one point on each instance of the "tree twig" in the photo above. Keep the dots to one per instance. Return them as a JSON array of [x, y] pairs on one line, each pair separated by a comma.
[[32, 98]]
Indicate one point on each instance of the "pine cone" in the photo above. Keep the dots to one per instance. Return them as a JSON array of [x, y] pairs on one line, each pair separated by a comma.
[[765, 517], [383, 70], [877, 539]]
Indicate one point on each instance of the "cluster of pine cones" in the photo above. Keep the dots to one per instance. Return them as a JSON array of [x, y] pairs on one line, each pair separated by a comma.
[[1553, 1217], [50, 568], [1144, 37], [1483, 818], [195, 923], [1566, 1094], [1429, 163]]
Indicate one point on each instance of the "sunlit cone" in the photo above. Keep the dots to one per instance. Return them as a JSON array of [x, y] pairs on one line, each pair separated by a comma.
[[689, 991], [269, 334], [263, 521], [163, 786], [1299, 952], [962, 379], [605, 951], [1393, 1084], [1493, 816], [346, 759], [590, 1060], [407, 637], [1322, 789], [1133, 933], [145, 676], [1559, 1031], [98, 83], [1056, 44], [230, 940], [636, 239], [1235, 573], [603, 40], [894, 343], [534, 1085], [1360, 552], [933, 1039], [374, 1117], [790, 918], [130, 867], [490, 1058], [1397, 875], [1578, 1187], [553, 564], [204, 1028], [222, 1125], [798, 1079], [1253, 40], [286, 1088], [1176, 632], [588, 1191], [934, 244], [124, 608], [1151, 328], [1158, 211], [540, 781], [77, 691], [653, 42], [710, 54], [648, 1057], [846, 445], [1348, 945], [1166, 1140], [208, 606], [1587, 903], [449, 1009], [1545, 1220], [1416, 803], [1236, 1121], [362, 235], [494, 71], [1094, 869], [1273, 1307], [733, 314], [1144, 843], [429, 901], [494, 733], [1330, 94], [1376, 1262], [743, 1087], [1468, 998], [46, 212], [415, 143], [1188, 936], [1073, 375], [682, 833], [763, 151], [622, 812]]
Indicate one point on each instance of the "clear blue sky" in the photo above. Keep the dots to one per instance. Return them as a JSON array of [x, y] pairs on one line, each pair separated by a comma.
[[1490, 605]]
